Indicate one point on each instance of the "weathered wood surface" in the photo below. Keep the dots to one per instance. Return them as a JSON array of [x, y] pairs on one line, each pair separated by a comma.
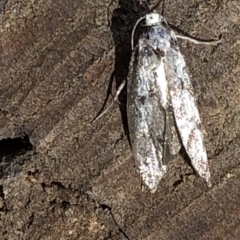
[[63, 178]]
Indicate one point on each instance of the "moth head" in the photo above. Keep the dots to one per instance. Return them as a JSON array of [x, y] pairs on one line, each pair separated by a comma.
[[153, 19]]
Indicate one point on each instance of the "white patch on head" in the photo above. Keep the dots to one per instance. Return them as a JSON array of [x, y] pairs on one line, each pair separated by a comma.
[[153, 19]]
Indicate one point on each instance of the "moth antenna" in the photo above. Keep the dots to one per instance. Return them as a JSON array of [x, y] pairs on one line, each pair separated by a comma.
[[119, 90], [133, 31], [206, 42]]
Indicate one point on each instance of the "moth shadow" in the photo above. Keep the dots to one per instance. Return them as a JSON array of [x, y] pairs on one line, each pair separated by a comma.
[[122, 23], [186, 158]]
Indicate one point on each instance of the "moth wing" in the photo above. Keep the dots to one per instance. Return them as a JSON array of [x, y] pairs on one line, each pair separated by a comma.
[[146, 115], [185, 110]]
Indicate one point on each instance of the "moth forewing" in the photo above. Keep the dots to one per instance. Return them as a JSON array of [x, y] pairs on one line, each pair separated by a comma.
[[145, 116], [185, 112]]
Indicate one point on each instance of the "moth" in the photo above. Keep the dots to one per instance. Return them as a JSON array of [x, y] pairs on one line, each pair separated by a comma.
[[161, 109]]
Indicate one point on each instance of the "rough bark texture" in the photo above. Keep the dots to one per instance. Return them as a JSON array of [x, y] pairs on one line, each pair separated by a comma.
[[63, 178]]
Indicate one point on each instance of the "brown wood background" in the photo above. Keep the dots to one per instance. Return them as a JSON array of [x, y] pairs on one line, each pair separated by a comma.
[[63, 178]]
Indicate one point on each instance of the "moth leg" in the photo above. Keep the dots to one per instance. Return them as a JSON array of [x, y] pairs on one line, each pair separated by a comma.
[[195, 41], [119, 90]]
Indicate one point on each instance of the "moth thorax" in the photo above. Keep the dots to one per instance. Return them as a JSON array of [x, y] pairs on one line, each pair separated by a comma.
[[153, 19]]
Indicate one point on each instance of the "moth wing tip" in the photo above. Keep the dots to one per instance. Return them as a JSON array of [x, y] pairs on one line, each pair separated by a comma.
[[208, 180]]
